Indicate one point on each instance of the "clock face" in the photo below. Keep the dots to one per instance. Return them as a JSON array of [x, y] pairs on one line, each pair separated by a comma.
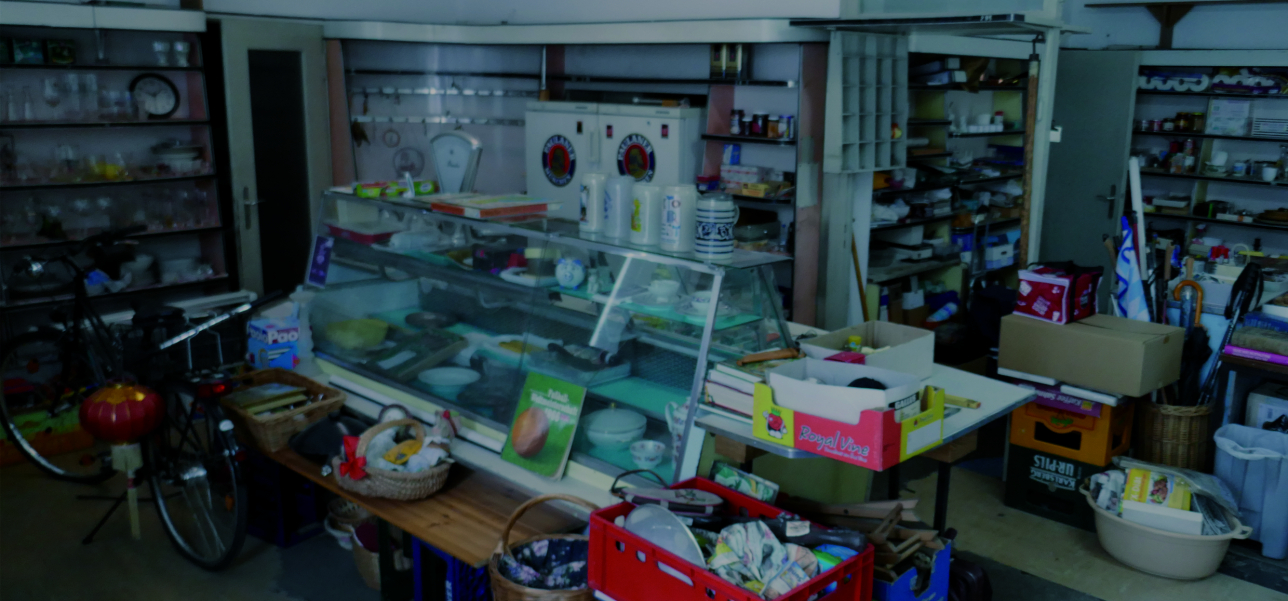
[[155, 95]]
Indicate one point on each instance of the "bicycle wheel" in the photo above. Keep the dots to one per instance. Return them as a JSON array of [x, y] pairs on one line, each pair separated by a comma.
[[197, 483], [45, 381]]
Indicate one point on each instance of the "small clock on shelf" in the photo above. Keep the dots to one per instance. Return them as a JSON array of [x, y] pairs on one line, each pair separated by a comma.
[[156, 96]]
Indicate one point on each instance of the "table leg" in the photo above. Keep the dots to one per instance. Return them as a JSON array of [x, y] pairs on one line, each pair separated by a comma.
[[433, 575], [893, 486], [941, 496], [394, 585]]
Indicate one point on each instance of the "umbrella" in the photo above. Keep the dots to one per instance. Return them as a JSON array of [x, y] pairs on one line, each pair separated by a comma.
[[1195, 353]]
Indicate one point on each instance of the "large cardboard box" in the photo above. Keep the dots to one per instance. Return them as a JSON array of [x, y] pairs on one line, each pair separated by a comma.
[[1102, 352], [879, 439], [912, 350]]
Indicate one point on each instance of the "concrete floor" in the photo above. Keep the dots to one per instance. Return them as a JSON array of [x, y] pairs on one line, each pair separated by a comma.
[[41, 557]]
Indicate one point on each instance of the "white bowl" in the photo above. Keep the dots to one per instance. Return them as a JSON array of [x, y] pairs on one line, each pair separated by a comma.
[[614, 429], [448, 382], [647, 454]]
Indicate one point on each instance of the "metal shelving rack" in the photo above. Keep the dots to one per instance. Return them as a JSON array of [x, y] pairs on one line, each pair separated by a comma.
[[218, 239]]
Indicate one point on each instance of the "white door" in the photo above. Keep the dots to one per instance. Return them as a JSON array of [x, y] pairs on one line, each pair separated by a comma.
[[279, 144], [560, 146]]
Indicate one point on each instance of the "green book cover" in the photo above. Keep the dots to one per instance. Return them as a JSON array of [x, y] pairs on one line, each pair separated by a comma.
[[544, 424]]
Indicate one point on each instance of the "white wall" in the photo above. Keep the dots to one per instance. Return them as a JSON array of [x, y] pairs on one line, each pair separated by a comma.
[[1248, 26]]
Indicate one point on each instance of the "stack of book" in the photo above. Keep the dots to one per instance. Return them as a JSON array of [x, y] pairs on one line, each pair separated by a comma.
[[732, 387], [268, 398]]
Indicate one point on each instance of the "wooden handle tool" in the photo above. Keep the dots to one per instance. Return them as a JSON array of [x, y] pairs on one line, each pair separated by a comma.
[[958, 401], [787, 353]]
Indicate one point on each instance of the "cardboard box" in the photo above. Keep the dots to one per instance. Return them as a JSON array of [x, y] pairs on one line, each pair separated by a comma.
[[273, 342], [905, 587], [912, 350], [821, 388], [877, 442], [1102, 352]]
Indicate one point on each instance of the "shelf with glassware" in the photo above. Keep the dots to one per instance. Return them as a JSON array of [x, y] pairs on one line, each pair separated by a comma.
[[455, 312], [104, 130]]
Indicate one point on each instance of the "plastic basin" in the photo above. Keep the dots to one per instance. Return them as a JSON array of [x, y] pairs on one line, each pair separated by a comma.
[[1163, 553]]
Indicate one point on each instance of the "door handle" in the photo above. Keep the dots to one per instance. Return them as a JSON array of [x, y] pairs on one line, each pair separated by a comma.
[[1111, 198], [249, 205]]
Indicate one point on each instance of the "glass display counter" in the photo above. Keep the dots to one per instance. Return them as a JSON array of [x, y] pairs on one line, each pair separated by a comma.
[[455, 312]]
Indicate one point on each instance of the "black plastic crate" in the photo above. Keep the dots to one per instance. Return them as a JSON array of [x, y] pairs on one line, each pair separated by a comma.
[[1047, 485], [285, 508]]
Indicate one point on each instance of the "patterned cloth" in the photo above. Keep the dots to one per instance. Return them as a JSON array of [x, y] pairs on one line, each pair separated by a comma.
[[749, 556], [550, 564]]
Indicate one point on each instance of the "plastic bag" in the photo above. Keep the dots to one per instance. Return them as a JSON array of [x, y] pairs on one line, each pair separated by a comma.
[[1200, 483]]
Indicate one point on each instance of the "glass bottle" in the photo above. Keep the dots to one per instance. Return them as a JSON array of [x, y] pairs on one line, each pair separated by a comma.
[[28, 108]]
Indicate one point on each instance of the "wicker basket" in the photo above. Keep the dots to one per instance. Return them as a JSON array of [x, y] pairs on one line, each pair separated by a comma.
[[347, 513], [368, 564], [273, 432], [1175, 435], [504, 589], [401, 486]]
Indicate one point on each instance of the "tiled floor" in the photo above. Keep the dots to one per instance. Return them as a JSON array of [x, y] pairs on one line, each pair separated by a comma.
[[1062, 554], [41, 558]]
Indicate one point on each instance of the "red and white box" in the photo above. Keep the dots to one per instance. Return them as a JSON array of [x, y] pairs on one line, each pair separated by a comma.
[[1058, 294]]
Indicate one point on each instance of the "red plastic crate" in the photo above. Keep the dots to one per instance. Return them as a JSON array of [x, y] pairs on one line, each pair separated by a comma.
[[629, 568]]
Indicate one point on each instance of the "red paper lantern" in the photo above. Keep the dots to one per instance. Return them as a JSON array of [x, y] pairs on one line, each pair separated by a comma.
[[122, 413]]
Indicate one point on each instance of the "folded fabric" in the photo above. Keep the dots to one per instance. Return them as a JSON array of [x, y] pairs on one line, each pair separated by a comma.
[[549, 564], [749, 556]]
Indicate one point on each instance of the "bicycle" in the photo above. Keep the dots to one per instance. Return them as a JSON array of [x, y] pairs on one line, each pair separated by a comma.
[[191, 460]]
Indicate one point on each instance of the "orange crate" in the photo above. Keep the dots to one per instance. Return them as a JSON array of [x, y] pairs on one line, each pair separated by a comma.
[[50, 436], [1094, 440]]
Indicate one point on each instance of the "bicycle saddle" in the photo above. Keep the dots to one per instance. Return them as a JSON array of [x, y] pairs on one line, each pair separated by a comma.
[[148, 311]]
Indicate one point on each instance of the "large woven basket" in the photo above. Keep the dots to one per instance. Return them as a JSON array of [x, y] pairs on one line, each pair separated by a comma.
[[504, 589], [273, 432], [1174, 435], [401, 486]]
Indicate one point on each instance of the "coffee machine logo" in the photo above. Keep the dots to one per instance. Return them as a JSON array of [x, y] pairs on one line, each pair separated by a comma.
[[635, 158], [558, 160]]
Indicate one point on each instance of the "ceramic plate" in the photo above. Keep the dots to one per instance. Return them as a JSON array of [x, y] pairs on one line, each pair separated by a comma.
[[662, 528]]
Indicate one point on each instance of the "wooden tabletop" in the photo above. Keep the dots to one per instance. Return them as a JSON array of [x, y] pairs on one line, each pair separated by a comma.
[[464, 519]]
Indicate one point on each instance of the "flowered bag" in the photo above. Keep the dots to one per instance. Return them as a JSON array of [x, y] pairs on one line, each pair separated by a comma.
[[550, 564]]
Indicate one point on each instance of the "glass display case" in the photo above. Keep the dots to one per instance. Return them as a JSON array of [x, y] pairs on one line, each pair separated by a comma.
[[456, 312]]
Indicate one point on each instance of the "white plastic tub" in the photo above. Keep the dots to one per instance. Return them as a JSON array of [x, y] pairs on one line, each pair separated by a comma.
[[1163, 553]]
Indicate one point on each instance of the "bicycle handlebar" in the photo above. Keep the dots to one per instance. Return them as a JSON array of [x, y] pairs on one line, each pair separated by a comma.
[[214, 321]]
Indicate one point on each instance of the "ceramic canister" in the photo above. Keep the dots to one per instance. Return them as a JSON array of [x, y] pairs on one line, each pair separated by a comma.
[[679, 209], [646, 215], [618, 194], [592, 205], [713, 236]]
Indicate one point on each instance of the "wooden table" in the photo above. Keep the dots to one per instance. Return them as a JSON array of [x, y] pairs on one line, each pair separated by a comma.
[[464, 519]]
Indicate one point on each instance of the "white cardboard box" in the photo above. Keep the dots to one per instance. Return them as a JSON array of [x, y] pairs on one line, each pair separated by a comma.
[[1179, 521], [1265, 403], [912, 350], [831, 397]]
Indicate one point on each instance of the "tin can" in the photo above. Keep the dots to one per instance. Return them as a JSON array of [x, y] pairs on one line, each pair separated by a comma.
[[1144, 124], [1156, 125], [786, 126], [772, 129], [1189, 146]]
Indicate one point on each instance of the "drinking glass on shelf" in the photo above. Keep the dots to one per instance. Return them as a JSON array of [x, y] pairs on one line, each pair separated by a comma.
[[53, 95], [181, 50], [28, 108], [65, 159], [89, 96], [104, 206], [163, 53], [125, 107], [71, 84]]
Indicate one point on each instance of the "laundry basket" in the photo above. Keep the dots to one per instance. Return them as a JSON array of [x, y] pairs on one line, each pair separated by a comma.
[[1251, 461]]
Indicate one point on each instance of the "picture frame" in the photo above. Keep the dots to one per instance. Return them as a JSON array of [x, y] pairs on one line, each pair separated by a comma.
[[60, 52], [28, 52]]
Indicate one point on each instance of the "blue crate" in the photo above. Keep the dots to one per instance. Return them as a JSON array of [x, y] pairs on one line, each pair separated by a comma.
[[284, 508], [463, 581], [904, 589]]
